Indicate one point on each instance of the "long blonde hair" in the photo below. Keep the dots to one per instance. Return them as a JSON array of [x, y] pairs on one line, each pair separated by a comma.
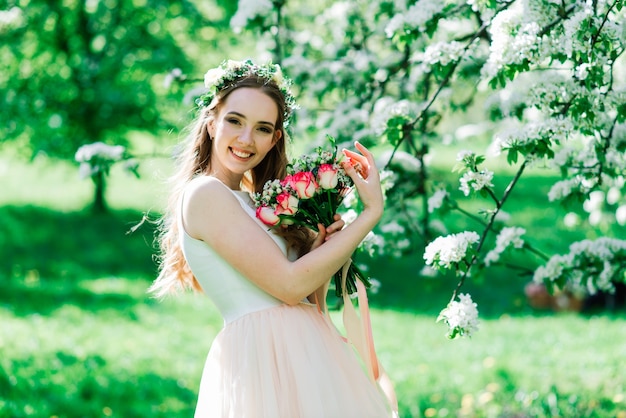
[[194, 160]]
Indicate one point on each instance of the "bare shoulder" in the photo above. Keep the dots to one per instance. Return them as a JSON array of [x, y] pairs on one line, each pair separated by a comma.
[[202, 186], [206, 203]]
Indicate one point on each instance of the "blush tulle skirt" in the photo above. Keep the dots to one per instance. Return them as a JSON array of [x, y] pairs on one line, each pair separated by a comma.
[[286, 362]]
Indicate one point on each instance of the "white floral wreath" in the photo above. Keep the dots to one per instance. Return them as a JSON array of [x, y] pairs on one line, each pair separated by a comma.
[[231, 71]]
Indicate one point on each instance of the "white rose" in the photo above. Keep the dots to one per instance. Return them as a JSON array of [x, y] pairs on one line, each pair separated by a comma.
[[278, 75], [233, 65], [212, 76]]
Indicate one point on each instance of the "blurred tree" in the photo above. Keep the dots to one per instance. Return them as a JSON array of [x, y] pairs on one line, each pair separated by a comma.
[[80, 71]]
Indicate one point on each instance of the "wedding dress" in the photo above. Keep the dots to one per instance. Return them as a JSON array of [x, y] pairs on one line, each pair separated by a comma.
[[272, 360]]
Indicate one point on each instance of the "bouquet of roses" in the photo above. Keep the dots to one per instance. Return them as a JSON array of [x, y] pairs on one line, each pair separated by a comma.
[[310, 194]]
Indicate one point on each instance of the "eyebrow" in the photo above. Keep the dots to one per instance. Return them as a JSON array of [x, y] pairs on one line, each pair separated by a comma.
[[244, 117]]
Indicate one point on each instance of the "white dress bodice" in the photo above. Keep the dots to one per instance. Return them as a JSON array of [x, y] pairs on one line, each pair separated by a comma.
[[232, 293]]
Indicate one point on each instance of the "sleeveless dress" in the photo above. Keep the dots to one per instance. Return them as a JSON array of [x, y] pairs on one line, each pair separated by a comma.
[[272, 360]]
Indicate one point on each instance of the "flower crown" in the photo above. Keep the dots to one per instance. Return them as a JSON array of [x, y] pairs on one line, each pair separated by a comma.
[[229, 72]]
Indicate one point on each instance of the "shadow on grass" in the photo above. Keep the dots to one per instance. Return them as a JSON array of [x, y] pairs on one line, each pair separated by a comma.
[[405, 288], [46, 254], [73, 387]]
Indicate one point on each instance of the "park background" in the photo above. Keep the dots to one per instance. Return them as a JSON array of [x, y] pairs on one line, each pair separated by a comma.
[[80, 337]]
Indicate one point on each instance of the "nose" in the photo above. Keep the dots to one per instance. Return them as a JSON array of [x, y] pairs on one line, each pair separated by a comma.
[[246, 136]]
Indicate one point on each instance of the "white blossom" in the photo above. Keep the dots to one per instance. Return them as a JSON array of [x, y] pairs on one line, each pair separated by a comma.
[[594, 201], [99, 150], [589, 266], [444, 251], [571, 220], [510, 236], [513, 40], [463, 154], [387, 108], [403, 160], [562, 189], [392, 227], [372, 243], [97, 157], [403, 244], [442, 53], [620, 215], [349, 216], [415, 18], [174, 75], [376, 285], [248, 10], [461, 316], [570, 42], [553, 129], [11, 18], [475, 180], [482, 7], [436, 200], [582, 71]]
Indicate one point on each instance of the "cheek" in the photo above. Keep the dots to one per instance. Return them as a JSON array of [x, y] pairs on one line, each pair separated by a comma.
[[268, 144]]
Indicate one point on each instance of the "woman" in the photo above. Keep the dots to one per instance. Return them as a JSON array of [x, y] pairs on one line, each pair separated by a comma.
[[277, 355]]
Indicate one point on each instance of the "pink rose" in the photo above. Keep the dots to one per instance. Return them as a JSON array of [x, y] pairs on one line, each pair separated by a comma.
[[287, 204], [327, 176], [287, 181], [304, 183], [267, 215]]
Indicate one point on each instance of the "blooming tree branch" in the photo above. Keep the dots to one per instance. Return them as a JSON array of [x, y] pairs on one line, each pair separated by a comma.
[[547, 74]]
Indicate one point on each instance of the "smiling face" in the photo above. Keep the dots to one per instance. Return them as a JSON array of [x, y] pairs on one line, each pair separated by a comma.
[[242, 134]]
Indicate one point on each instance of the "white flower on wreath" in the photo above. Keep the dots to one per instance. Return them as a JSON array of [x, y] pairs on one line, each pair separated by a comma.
[[213, 76]]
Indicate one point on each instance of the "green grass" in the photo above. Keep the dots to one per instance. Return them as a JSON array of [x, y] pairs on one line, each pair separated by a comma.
[[79, 337]]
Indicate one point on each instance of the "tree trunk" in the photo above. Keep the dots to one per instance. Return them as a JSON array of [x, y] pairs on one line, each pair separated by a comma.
[[99, 204]]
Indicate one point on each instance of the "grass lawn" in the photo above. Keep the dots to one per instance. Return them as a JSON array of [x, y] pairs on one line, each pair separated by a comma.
[[80, 338]]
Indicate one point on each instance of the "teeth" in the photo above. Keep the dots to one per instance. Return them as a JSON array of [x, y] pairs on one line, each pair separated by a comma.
[[241, 154]]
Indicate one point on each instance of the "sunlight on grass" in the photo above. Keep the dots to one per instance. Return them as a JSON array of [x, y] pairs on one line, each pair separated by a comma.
[[57, 185], [511, 365], [103, 359]]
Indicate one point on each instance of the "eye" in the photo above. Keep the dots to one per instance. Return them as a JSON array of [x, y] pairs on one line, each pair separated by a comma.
[[233, 121], [266, 129]]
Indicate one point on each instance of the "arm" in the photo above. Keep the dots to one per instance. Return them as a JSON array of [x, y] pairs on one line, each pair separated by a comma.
[[325, 233], [213, 214]]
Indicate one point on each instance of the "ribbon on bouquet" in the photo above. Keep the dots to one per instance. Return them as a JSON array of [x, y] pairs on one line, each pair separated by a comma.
[[359, 334]]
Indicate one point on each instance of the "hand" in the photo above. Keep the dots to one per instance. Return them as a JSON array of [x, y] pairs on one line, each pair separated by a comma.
[[326, 233], [363, 171]]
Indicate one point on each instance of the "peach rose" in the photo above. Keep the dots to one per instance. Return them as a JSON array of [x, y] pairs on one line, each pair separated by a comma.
[[304, 183], [267, 215], [327, 176], [287, 204]]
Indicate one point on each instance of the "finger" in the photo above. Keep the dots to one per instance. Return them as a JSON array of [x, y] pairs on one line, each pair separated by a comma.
[[366, 152], [350, 171], [333, 229], [358, 161], [335, 226], [363, 163], [320, 238], [355, 157]]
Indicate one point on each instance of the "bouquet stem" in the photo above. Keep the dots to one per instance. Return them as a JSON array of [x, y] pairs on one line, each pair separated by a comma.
[[354, 274]]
